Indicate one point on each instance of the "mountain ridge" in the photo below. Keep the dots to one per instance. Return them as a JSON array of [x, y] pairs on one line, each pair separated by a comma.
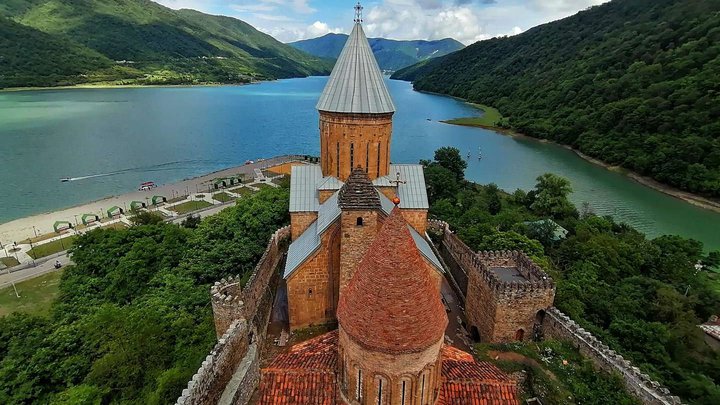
[[391, 54], [140, 42], [631, 83]]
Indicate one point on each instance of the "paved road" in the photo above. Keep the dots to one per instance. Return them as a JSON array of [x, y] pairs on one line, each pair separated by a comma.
[[31, 272]]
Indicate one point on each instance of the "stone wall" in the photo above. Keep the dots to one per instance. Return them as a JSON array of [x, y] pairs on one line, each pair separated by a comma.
[[252, 305], [496, 310], [311, 289], [559, 326], [416, 218], [208, 384], [300, 221]]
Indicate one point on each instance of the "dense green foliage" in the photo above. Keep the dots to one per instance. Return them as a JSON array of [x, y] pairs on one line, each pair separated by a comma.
[[556, 373], [390, 54], [133, 321], [59, 42], [631, 82], [644, 298]]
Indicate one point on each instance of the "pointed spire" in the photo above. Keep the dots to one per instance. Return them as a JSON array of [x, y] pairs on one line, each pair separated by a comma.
[[356, 84], [358, 192], [392, 303]]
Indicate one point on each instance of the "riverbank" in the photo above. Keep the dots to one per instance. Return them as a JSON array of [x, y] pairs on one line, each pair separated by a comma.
[[29, 227], [693, 199]]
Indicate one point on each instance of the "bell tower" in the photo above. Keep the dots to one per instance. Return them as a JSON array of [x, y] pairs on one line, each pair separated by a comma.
[[356, 112]]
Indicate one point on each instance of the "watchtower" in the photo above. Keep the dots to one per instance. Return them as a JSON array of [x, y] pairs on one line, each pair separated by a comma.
[[507, 295]]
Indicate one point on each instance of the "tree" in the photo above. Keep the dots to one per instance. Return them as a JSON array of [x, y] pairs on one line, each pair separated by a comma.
[[449, 158], [551, 197]]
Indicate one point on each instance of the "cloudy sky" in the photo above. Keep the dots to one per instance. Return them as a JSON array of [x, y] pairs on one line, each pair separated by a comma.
[[465, 20]]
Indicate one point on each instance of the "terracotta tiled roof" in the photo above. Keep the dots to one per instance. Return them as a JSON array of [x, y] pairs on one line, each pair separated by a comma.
[[467, 382], [304, 375], [358, 192], [287, 388], [392, 304], [319, 353]]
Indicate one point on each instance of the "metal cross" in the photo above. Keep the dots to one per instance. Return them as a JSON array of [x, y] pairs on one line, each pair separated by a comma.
[[358, 13], [397, 181]]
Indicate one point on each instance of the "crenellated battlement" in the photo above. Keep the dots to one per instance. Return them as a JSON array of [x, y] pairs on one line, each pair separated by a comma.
[[531, 276], [560, 326]]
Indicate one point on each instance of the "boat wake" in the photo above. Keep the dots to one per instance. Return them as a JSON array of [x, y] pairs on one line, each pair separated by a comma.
[[182, 164]]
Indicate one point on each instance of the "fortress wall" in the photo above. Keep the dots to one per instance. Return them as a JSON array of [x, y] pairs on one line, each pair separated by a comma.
[[235, 357], [455, 254], [207, 385], [559, 326]]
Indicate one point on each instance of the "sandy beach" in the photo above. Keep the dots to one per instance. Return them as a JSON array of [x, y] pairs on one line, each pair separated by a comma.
[[20, 229]]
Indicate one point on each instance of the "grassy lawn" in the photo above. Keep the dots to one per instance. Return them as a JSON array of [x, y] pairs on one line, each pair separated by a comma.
[[190, 206], [223, 197], [36, 295], [489, 118], [9, 261], [39, 238], [262, 186], [243, 191], [116, 225], [176, 199], [282, 181], [53, 247]]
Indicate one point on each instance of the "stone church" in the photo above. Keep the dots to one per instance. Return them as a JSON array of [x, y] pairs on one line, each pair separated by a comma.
[[360, 257]]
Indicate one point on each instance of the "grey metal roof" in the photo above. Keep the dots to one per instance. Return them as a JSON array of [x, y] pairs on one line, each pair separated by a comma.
[[331, 183], [327, 214], [356, 84], [412, 193], [301, 249], [425, 249], [304, 180]]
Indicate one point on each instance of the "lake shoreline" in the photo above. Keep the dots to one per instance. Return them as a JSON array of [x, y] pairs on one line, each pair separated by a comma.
[[690, 198], [25, 227], [105, 86]]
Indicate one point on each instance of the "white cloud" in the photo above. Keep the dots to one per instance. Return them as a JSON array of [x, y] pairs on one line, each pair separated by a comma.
[[395, 20]]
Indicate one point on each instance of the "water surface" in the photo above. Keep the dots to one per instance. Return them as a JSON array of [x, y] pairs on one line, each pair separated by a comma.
[[118, 138]]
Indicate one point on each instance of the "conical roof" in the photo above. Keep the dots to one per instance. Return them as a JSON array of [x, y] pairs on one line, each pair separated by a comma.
[[358, 192], [356, 84], [392, 303]]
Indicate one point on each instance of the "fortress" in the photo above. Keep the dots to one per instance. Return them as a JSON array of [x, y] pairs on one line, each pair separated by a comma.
[[358, 258]]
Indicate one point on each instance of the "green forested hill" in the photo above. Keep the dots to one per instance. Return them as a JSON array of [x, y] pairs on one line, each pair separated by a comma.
[[390, 54], [632, 82], [138, 40]]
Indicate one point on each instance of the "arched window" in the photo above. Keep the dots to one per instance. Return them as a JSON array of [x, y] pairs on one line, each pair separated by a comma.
[[309, 292], [405, 392], [359, 221], [422, 389], [358, 386], [380, 392], [519, 334]]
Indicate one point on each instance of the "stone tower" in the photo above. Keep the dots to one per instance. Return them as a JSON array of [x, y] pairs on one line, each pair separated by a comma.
[[359, 204], [391, 324], [355, 112]]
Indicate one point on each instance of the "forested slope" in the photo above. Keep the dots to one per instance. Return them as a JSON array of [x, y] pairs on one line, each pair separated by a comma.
[[631, 82], [143, 39]]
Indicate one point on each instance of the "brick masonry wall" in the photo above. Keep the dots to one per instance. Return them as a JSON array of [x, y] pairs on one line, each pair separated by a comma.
[[369, 135], [311, 288], [416, 218], [208, 384], [355, 240], [323, 195], [559, 326], [300, 221], [392, 369]]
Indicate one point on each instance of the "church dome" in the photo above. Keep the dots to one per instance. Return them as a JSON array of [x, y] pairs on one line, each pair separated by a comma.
[[392, 304]]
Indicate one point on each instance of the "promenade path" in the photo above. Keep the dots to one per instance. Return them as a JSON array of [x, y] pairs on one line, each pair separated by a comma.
[[19, 229]]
